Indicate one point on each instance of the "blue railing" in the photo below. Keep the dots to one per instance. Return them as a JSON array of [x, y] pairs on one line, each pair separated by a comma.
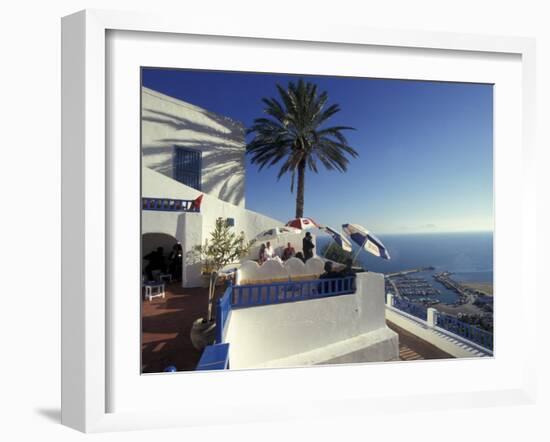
[[465, 330], [169, 205], [291, 291], [411, 308], [223, 309]]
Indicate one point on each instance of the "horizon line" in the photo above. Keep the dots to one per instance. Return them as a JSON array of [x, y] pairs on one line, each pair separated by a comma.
[[435, 233]]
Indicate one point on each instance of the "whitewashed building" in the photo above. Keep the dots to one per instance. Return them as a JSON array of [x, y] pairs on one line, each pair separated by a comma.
[[188, 151]]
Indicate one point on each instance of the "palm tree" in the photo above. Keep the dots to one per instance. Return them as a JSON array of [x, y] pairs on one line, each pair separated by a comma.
[[294, 134]]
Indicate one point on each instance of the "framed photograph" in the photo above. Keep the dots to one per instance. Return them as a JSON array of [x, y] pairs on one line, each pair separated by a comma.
[[250, 213]]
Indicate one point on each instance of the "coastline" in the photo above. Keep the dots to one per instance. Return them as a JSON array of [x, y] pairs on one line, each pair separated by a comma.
[[485, 287]]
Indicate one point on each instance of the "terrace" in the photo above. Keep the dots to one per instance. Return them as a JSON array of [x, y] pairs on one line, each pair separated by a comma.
[[422, 333]]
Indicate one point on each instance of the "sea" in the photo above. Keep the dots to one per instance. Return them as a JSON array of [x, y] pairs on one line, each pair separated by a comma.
[[469, 256]]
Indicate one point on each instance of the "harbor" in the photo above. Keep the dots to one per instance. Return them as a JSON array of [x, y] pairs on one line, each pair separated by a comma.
[[415, 288], [439, 289]]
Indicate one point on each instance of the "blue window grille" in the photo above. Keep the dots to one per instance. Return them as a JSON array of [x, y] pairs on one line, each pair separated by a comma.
[[187, 167]]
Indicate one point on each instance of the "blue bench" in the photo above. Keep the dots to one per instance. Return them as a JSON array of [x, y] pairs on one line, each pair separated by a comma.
[[214, 357]]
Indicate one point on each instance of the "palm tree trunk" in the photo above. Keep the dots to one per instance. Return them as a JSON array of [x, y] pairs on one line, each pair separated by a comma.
[[301, 189]]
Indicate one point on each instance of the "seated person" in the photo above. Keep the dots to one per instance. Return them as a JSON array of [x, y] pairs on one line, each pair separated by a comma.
[[300, 256], [329, 273], [333, 286], [261, 255], [269, 253], [156, 262], [288, 252], [348, 270]]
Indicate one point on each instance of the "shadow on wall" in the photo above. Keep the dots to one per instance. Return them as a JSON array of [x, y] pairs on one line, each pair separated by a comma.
[[220, 140]]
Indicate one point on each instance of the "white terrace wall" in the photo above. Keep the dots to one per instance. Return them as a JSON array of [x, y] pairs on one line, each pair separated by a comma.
[[168, 122], [193, 228], [272, 270], [339, 329]]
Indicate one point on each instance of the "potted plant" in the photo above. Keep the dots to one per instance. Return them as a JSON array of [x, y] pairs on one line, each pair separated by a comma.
[[223, 247]]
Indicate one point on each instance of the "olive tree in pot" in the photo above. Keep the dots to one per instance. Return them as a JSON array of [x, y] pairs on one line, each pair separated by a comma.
[[222, 248]]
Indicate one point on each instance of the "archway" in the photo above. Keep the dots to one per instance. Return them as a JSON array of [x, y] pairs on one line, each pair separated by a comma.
[[150, 243]]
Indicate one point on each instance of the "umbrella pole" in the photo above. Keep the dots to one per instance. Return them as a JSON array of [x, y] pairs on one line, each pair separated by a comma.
[[327, 249], [358, 251]]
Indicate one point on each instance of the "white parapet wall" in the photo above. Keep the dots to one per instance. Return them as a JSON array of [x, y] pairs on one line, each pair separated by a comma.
[[339, 329], [274, 270]]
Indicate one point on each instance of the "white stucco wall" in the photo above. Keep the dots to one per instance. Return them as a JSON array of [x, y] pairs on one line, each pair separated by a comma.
[[345, 328], [168, 122], [191, 233]]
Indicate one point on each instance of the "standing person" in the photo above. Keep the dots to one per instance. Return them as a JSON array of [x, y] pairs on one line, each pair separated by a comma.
[[175, 261], [288, 252], [269, 253], [308, 246]]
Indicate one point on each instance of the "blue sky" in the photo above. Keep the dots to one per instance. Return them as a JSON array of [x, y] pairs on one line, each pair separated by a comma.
[[425, 149]]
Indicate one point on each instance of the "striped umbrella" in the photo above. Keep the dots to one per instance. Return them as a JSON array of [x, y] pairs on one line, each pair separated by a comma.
[[365, 240], [338, 238], [302, 223]]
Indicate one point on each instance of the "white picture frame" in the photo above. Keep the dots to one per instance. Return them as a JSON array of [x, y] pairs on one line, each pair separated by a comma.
[[86, 212]]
